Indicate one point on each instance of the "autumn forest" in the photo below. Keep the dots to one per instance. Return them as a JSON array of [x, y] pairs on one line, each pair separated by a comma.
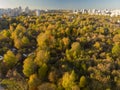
[[60, 51]]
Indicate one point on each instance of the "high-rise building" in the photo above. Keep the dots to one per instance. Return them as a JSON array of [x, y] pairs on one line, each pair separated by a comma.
[[20, 9], [27, 10], [37, 12]]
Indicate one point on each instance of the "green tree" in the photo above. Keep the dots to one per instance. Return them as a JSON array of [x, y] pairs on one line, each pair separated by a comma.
[[74, 52], [42, 71], [83, 81], [116, 50]]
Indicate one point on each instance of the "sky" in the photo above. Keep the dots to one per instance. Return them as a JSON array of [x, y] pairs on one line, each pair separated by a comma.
[[61, 4]]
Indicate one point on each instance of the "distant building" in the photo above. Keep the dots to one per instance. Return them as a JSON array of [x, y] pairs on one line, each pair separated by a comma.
[[1, 12], [84, 11], [37, 12], [20, 9], [46, 10], [27, 10], [75, 11], [115, 13]]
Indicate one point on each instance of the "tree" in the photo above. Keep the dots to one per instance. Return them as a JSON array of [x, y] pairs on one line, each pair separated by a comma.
[[76, 87], [42, 71], [10, 59], [17, 43], [68, 80], [97, 45], [83, 81], [75, 47], [116, 50], [18, 32], [53, 76], [33, 82], [47, 86], [46, 40], [25, 41], [5, 33], [116, 38], [66, 41], [42, 57], [29, 66], [21, 27], [74, 52]]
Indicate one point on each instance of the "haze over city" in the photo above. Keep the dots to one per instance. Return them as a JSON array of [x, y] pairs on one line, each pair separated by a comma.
[[61, 4]]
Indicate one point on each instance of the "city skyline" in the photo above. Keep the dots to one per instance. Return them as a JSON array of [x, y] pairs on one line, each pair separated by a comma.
[[61, 4]]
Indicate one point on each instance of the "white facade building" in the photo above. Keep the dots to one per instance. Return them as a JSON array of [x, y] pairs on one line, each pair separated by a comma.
[[115, 13], [105, 12], [11, 12], [37, 12]]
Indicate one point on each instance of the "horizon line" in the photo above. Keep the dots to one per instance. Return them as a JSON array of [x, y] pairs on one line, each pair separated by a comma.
[[58, 8]]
